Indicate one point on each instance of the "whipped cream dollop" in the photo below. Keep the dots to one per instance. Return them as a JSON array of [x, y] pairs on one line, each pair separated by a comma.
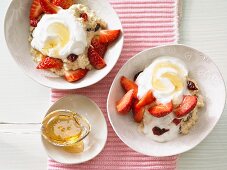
[[58, 35], [166, 77]]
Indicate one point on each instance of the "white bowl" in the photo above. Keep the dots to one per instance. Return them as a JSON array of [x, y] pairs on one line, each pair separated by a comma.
[[210, 81], [96, 139], [17, 32]]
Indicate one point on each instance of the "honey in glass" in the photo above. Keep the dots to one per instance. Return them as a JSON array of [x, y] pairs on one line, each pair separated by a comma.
[[66, 129]]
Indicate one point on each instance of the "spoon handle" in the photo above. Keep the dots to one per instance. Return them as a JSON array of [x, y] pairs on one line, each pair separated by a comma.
[[20, 128]]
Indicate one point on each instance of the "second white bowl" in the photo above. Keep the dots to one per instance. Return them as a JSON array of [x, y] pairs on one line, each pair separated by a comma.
[[212, 87]]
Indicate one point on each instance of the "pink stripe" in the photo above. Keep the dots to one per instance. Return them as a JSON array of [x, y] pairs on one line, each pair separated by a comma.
[[150, 36], [142, 2], [146, 23], [120, 12], [149, 26], [136, 16], [139, 7]]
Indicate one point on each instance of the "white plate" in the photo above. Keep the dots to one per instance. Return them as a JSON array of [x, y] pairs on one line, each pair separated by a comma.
[[17, 32], [97, 137], [210, 81]]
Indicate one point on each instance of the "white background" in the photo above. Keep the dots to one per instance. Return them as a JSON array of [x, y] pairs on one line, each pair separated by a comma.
[[203, 26]]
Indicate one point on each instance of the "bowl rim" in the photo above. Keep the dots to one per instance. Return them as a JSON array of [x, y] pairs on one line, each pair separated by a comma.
[[207, 132], [71, 87]]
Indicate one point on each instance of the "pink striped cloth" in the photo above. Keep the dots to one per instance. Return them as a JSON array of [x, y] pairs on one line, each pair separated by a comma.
[[146, 23]]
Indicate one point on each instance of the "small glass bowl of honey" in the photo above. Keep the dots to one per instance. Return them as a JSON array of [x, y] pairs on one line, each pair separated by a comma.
[[66, 129]]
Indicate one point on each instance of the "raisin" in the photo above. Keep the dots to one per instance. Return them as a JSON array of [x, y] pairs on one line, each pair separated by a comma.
[[34, 22], [89, 29], [191, 85], [158, 131], [136, 75], [176, 121], [97, 27], [72, 57]]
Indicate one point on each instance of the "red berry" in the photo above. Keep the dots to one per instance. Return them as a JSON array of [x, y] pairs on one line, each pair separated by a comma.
[[100, 48], [176, 121], [128, 84], [95, 59], [124, 105], [48, 7], [75, 75], [187, 105], [34, 22], [65, 4], [137, 112], [158, 131], [49, 62], [109, 36], [84, 16], [161, 110], [35, 12], [191, 85], [72, 57], [147, 99]]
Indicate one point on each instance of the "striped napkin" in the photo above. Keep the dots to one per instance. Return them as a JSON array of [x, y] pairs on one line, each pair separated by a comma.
[[146, 23]]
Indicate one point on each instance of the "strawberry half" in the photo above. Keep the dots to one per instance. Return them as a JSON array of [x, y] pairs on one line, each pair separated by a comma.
[[75, 75], [137, 112], [99, 47], [145, 100], [35, 12], [128, 84], [95, 59], [109, 36], [186, 106], [125, 103], [49, 62], [48, 7], [161, 110], [65, 4]]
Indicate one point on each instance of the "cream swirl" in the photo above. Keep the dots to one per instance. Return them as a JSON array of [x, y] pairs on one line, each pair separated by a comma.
[[166, 77], [58, 35]]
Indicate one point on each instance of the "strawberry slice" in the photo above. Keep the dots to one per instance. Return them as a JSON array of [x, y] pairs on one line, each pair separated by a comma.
[[128, 84], [145, 100], [108, 36], [125, 103], [137, 112], [65, 4], [49, 62], [95, 59], [35, 12], [161, 110], [75, 75], [48, 7], [186, 106], [99, 47]]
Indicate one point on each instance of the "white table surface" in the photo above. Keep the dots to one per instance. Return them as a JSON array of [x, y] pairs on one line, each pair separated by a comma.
[[203, 26]]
